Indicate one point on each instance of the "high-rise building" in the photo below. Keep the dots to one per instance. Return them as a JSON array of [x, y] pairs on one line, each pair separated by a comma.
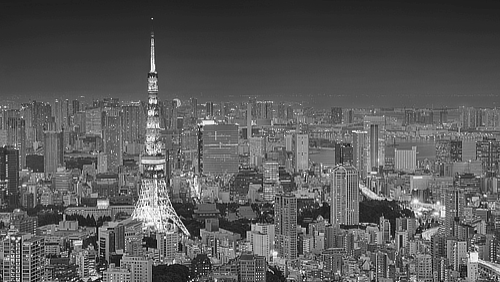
[[257, 148], [424, 268], [405, 160], [24, 258], [336, 115], [153, 207], [251, 268], [343, 154], [113, 145], [141, 268], [488, 152], [345, 196], [167, 244], [133, 122], [261, 237], [9, 176], [194, 107], [374, 146], [93, 121], [301, 152], [359, 152], [454, 201], [54, 152], [209, 107], [438, 252], [220, 149], [381, 266], [285, 223]]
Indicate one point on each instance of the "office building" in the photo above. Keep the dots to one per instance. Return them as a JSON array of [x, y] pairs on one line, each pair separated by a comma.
[[488, 152], [405, 160], [261, 237], [285, 223], [200, 266], [9, 176], [345, 196], [167, 244], [359, 152], [220, 149], [374, 148], [24, 258], [209, 107], [93, 121], [141, 268], [133, 123], [114, 274], [194, 107], [54, 152], [454, 201], [112, 137], [257, 148], [251, 268], [336, 115], [301, 152], [424, 268]]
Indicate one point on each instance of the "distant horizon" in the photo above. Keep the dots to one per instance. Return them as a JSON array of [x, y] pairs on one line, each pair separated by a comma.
[[363, 53]]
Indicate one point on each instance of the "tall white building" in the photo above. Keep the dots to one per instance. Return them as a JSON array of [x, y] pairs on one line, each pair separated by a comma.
[[344, 196], [405, 160], [141, 268], [261, 237], [472, 267], [301, 152]]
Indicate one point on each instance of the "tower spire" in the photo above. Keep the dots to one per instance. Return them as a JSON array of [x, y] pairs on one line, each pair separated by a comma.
[[153, 65]]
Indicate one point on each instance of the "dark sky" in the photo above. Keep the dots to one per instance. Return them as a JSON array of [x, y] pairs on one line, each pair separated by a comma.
[[327, 53]]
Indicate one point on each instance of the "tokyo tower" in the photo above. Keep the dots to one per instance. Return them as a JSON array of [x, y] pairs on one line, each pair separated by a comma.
[[154, 208]]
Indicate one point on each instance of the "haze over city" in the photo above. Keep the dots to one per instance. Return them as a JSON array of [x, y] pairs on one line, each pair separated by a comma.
[[351, 53]]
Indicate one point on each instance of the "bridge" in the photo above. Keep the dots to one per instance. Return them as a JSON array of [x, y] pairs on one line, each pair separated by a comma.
[[370, 194], [489, 270]]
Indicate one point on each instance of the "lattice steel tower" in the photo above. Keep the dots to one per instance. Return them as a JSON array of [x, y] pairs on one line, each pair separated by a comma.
[[154, 208]]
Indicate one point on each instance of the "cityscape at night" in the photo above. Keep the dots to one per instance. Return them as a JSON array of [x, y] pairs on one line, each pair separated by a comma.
[[249, 141]]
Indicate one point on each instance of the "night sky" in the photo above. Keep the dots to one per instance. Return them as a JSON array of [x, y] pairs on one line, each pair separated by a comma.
[[325, 53]]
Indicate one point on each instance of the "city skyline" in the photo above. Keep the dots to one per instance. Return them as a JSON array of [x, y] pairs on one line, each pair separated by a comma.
[[341, 53]]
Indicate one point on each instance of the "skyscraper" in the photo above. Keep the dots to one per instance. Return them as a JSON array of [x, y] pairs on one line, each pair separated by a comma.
[[345, 196], [301, 152], [209, 106], [194, 107], [220, 149], [113, 146], [154, 208], [285, 223], [374, 157], [405, 160], [132, 122], [359, 151], [9, 176], [454, 201], [24, 258], [54, 152], [336, 115]]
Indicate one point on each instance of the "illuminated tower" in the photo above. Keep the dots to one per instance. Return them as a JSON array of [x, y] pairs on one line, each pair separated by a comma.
[[154, 208]]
